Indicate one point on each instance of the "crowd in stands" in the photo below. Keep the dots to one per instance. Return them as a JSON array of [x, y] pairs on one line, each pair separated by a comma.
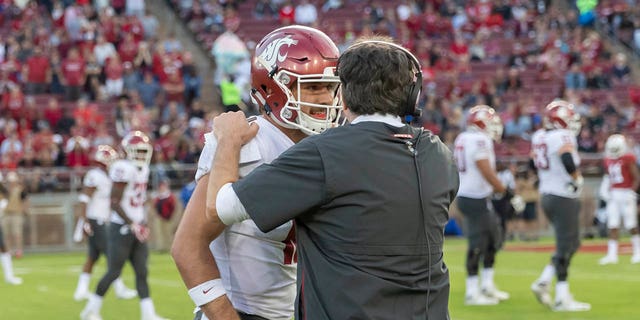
[[77, 74], [515, 55]]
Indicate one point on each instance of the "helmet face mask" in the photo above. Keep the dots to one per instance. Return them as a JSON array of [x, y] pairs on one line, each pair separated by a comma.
[[105, 155], [616, 146], [138, 148], [484, 119], [560, 114], [284, 61]]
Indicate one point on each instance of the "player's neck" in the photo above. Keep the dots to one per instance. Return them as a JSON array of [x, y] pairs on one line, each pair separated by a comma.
[[294, 134]]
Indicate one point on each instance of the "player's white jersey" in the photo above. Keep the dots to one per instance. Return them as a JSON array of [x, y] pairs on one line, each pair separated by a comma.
[[135, 193], [551, 172], [99, 207], [258, 269], [470, 147]]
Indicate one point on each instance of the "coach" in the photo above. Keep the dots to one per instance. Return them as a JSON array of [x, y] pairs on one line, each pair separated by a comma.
[[370, 199]]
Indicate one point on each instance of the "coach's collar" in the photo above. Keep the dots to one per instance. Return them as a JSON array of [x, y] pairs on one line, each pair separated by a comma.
[[379, 117]]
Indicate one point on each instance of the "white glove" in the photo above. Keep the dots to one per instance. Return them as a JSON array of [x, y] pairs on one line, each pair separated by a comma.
[[140, 231], [575, 186], [518, 204]]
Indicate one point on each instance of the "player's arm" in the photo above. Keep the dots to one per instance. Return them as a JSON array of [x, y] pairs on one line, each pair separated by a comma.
[[566, 156], [117, 192], [83, 198], [635, 175], [489, 174], [190, 252]]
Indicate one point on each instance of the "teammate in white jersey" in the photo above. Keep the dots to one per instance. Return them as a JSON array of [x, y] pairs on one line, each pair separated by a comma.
[[127, 233], [5, 255], [554, 152], [622, 179], [93, 210], [296, 98], [478, 181]]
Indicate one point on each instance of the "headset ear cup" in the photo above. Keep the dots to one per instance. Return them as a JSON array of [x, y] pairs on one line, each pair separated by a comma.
[[414, 93]]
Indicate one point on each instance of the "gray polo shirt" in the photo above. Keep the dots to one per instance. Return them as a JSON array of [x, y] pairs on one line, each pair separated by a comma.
[[353, 192]]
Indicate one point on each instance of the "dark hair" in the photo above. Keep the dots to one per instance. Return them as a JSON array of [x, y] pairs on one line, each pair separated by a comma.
[[375, 77]]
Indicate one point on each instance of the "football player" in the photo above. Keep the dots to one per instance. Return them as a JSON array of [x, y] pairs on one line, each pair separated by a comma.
[[554, 151], [478, 181], [294, 84], [5, 255], [623, 180], [92, 210], [127, 232]]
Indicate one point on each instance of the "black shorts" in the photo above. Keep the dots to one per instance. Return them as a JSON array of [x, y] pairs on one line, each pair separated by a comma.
[[564, 215], [482, 224], [2, 240], [530, 212], [98, 240]]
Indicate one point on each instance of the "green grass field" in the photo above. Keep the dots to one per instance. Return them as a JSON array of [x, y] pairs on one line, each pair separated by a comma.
[[50, 279]]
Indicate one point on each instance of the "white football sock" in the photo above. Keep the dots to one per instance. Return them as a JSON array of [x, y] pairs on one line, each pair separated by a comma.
[[95, 303], [146, 307], [487, 278], [83, 282], [472, 286], [635, 244], [562, 290], [547, 274], [7, 267], [612, 246]]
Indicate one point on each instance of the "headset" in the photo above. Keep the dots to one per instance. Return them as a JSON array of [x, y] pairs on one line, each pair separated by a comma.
[[413, 90]]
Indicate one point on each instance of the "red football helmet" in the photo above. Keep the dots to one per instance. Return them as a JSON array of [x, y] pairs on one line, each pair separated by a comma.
[[105, 155], [138, 148], [560, 114], [483, 118], [288, 57]]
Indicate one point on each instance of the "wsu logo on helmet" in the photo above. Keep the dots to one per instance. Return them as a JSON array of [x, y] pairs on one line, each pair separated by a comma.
[[272, 53]]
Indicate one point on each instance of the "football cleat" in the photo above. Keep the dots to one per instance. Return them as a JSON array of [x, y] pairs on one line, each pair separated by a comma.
[[635, 259], [480, 300], [569, 305], [542, 292], [126, 293], [13, 280], [89, 315], [493, 292], [608, 260]]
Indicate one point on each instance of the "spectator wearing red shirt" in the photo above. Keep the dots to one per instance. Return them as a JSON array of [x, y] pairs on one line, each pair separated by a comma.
[[13, 102], [77, 152], [174, 88], [128, 48], [73, 74], [11, 66], [133, 26], [37, 72], [286, 13], [113, 72], [53, 112]]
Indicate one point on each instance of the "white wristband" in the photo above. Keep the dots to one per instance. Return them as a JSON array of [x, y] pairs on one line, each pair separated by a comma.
[[84, 198], [207, 292]]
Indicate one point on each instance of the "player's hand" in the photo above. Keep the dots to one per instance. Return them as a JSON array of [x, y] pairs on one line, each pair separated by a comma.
[[235, 127], [518, 204], [140, 231], [575, 186], [86, 227]]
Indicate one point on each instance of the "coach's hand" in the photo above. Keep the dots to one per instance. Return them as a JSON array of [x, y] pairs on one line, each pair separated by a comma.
[[235, 127]]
